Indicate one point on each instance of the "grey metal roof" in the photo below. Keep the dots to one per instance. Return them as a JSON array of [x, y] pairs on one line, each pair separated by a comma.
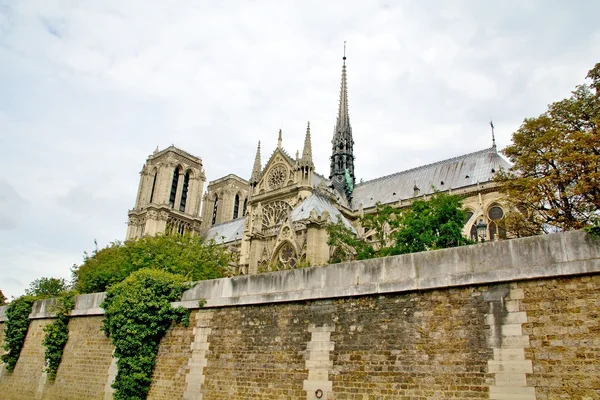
[[457, 172], [318, 178], [227, 231], [319, 204]]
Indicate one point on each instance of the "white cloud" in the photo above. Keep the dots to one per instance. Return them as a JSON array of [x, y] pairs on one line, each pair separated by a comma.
[[89, 89]]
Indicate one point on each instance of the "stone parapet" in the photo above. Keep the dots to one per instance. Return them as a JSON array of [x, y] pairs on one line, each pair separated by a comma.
[[538, 257]]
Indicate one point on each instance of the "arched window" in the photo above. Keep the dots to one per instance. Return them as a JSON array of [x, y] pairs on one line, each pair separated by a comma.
[[184, 191], [215, 208], [468, 216], [153, 186], [496, 227], [174, 187], [245, 207], [236, 206], [473, 233]]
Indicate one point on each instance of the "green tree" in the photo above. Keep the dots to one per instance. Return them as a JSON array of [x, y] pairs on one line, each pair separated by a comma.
[[2, 298], [431, 225], [184, 255], [425, 225], [556, 165], [44, 288]]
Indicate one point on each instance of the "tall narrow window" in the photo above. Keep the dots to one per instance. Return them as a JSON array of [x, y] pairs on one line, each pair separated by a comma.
[[245, 206], [184, 191], [174, 187], [153, 186], [215, 208], [236, 206]]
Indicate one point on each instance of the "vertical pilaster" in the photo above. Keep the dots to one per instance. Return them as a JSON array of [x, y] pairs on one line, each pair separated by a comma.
[[179, 191], [195, 376], [39, 393], [318, 363], [506, 339], [112, 374]]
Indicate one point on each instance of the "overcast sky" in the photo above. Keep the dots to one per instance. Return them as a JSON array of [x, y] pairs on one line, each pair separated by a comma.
[[88, 89]]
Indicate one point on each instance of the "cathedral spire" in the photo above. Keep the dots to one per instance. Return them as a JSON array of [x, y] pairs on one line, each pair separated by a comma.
[[342, 155], [256, 170], [307, 160], [343, 118]]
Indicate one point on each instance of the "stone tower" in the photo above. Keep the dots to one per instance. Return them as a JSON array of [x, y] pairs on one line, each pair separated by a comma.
[[169, 195], [342, 154]]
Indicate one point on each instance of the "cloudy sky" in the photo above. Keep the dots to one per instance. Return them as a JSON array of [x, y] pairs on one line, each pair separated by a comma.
[[89, 89]]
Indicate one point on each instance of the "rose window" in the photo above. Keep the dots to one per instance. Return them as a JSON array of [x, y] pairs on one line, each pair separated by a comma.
[[287, 256], [277, 176]]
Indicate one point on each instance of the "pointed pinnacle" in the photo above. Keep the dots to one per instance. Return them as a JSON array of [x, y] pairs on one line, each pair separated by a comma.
[[343, 118], [256, 170], [307, 152]]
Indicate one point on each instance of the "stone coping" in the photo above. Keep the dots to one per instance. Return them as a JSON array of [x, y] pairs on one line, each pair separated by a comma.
[[538, 257]]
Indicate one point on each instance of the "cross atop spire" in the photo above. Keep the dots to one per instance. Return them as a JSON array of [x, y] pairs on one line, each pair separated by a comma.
[[257, 169]]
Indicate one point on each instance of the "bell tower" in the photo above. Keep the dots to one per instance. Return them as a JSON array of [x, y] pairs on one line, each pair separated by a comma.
[[169, 195]]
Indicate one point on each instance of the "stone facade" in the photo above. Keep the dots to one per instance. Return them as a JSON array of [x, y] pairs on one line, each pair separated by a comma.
[[461, 325]]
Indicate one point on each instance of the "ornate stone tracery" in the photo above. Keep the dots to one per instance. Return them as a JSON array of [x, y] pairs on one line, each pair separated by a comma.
[[275, 213], [287, 258]]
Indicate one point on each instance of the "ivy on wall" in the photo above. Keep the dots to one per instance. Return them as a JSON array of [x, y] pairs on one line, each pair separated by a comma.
[[57, 333], [17, 324], [138, 313]]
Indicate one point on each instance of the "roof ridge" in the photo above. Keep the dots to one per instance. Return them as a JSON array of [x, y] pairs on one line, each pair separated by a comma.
[[187, 153], [487, 150]]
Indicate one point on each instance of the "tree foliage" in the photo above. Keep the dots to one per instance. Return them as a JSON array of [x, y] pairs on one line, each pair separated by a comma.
[[138, 313], [184, 255], [45, 288], [425, 225], [17, 324], [556, 165], [2, 298]]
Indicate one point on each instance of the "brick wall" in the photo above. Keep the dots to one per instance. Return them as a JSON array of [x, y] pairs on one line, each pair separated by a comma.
[[564, 330], [86, 359], [24, 381], [168, 380], [257, 352], [420, 345]]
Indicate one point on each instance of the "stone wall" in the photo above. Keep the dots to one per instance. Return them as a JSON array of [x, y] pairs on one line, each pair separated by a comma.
[[504, 320]]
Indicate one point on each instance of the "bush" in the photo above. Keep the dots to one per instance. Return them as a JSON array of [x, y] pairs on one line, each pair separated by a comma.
[[17, 324], [138, 313], [184, 255]]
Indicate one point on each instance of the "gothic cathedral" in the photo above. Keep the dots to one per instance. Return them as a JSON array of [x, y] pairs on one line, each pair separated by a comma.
[[278, 218]]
